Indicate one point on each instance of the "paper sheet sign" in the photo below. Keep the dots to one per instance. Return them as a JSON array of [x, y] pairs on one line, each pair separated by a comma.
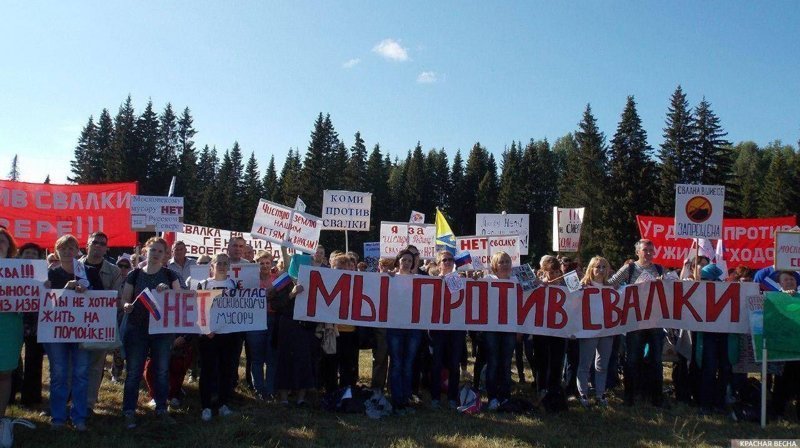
[[396, 236], [567, 223], [505, 224], [67, 316], [156, 214], [699, 210]]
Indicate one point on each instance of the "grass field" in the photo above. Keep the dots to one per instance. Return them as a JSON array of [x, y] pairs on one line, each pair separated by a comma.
[[273, 425]]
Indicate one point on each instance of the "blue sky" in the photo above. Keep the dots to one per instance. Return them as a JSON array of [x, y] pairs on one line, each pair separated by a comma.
[[445, 73]]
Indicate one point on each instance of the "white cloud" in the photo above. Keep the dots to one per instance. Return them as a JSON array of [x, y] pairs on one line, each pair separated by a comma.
[[351, 63], [391, 49], [427, 78]]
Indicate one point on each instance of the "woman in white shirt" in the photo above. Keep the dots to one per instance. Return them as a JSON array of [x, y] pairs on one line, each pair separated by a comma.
[[595, 351]]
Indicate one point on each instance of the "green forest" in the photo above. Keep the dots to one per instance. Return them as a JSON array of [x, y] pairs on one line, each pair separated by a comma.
[[615, 178]]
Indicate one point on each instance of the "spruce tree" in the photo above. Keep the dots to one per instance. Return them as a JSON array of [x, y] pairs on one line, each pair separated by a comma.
[[13, 173], [109, 162], [356, 172], [778, 196], [512, 181], [630, 187], [319, 159], [591, 183], [714, 154], [251, 191], [187, 184], [748, 174], [377, 177], [47, 179], [143, 160], [399, 208], [207, 167], [165, 163], [677, 152], [540, 192], [457, 196], [237, 181], [270, 188], [416, 181], [291, 179], [474, 173], [438, 170], [82, 169], [488, 188], [567, 156], [124, 162]]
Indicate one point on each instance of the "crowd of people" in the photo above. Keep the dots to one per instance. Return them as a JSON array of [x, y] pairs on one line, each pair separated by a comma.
[[291, 358]]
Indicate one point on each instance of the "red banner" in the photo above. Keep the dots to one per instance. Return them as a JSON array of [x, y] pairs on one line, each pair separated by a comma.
[[40, 213], [749, 242]]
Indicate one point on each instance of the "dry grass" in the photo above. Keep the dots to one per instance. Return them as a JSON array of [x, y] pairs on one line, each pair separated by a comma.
[[266, 424]]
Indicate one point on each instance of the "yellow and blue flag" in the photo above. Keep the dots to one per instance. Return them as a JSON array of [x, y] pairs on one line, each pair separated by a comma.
[[445, 239]]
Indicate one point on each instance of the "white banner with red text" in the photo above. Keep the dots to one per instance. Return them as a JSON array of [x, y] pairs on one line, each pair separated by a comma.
[[210, 311], [420, 302], [21, 284], [68, 316]]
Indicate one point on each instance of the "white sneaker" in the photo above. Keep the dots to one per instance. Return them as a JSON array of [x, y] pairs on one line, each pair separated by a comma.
[[151, 404], [225, 411], [494, 404], [206, 415]]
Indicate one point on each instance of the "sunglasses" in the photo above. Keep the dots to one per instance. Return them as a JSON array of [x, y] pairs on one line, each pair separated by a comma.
[[124, 266]]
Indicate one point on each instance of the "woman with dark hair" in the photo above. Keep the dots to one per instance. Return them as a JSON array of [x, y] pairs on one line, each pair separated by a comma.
[[34, 352], [10, 331], [403, 345], [549, 351]]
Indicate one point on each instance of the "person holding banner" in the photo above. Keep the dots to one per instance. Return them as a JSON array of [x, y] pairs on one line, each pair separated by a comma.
[[403, 345], [217, 351], [448, 346], [137, 339], [262, 353], [549, 351], [711, 355], [499, 344], [638, 373], [594, 351], [10, 331], [69, 363]]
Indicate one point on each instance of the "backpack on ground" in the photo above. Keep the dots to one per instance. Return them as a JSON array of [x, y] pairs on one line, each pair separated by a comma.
[[469, 400]]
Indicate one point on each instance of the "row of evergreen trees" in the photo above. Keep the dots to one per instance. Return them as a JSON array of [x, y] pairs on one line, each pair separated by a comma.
[[614, 180]]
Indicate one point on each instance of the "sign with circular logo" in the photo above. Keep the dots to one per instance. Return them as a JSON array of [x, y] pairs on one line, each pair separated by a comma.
[[699, 209]]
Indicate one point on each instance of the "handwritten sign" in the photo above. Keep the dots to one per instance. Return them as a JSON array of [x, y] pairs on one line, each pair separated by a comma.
[[287, 227], [67, 316], [209, 241], [699, 210], [787, 251], [156, 214], [567, 224], [481, 248], [21, 284], [346, 210], [505, 224], [396, 236], [210, 311]]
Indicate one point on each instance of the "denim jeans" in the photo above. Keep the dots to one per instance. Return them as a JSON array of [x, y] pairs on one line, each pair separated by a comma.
[[594, 352], [61, 356], [403, 346], [499, 351], [263, 357], [447, 349], [649, 376], [138, 345]]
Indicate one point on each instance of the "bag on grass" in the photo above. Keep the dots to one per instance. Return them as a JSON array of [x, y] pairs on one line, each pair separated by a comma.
[[469, 400]]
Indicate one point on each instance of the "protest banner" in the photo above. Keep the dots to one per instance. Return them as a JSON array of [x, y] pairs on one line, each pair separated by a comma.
[[287, 227], [420, 302], [748, 242], [372, 255], [416, 217], [40, 213], [68, 316], [787, 251], [505, 224], [209, 241], [210, 311], [156, 214], [246, 275], [21, 284], [396, 236], [346, 210], [483, 247], [699, 210], [567, 223]]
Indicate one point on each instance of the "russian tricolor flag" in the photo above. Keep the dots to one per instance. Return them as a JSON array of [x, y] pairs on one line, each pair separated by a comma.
[[282, 280], [463, 259], [149, 302]]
